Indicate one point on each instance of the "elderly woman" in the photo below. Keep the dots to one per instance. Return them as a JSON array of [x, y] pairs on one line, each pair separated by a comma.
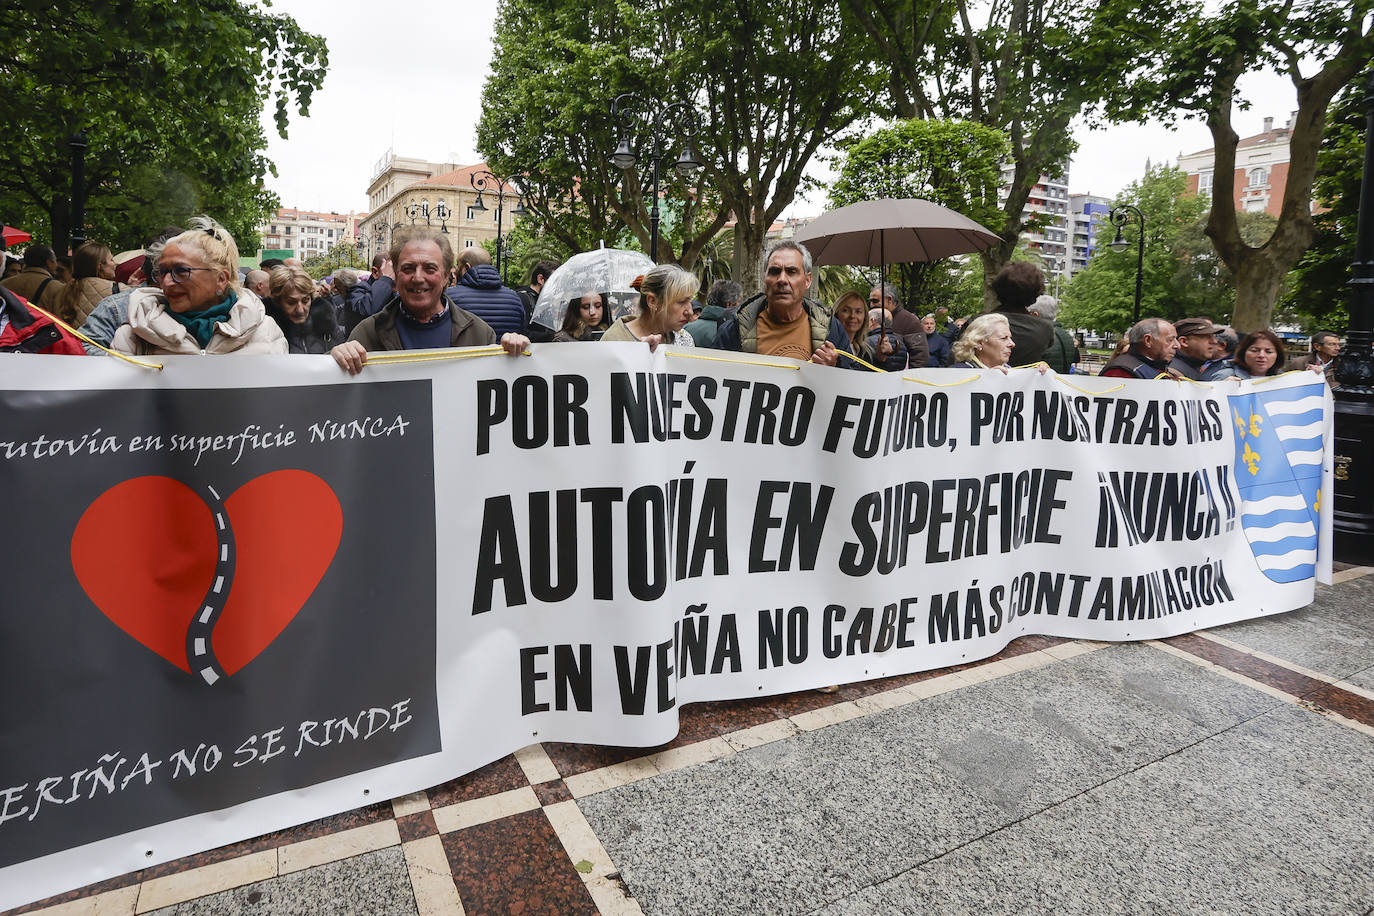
[[1259, 353], [665, 307], [985, 344], [198, 305], [93, 273], [311, 325], [583, 317]]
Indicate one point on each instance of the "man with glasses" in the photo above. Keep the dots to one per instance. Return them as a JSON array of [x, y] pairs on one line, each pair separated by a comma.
[[906, 325], [1196, 346], [1326, 346]]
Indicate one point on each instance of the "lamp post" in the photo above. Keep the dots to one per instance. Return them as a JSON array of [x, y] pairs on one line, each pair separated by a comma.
[[78, 228], [1118, 216], [655, 116], [422, 210], [485, 180], [1353, 508]]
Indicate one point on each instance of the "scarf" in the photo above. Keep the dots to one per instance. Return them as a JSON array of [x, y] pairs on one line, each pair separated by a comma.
[[202, 324]]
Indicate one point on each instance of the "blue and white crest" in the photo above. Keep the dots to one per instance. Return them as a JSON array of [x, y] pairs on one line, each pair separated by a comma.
[[1278, 470]]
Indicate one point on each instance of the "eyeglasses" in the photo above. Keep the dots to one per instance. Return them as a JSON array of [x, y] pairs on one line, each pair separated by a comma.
[[874, 301], [178, 273]]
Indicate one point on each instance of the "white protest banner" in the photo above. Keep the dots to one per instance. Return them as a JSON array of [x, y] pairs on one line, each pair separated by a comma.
[[243, 593]]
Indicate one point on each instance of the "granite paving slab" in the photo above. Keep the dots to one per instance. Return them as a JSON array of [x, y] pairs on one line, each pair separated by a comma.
[[877, 796], [1272, 816], [1334, 635], [376, 883]]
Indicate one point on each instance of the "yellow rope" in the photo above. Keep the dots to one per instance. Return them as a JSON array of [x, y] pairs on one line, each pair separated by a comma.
[[1069, 384], [794, 366], [83, 338], [1269, 378], [859, 360], [465, 353], [921, 381]]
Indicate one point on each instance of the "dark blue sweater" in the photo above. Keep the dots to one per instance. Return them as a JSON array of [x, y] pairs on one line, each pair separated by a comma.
[[480, 292], [428, 335]]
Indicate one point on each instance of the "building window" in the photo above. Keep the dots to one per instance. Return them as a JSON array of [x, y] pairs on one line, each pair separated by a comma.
[[469, 243], [1204, 181], [1259, 178], [472, 215]]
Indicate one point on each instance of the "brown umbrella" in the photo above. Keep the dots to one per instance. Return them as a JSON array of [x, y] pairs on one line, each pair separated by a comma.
[[892, 231]]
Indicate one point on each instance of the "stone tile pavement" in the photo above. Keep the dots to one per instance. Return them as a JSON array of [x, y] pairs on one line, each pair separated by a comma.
[[1229, 771]]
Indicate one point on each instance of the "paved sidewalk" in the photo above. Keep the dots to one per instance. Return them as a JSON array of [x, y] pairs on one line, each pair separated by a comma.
[[1230, 771]]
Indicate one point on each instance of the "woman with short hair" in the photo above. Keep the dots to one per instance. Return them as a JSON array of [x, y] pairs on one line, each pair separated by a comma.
[[665, 307], [310, 323], [199, 304], [985, 344]]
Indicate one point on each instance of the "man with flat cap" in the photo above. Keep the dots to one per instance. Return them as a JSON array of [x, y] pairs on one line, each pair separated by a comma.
[[1196, 346]]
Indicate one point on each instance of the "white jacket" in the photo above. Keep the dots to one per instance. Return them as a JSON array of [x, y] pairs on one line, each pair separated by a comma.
[[150, 330]]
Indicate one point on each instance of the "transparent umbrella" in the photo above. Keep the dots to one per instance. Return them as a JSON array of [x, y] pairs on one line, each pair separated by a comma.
[[605, 270]]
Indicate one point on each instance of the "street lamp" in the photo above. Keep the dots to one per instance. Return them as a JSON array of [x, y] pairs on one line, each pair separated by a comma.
[[1118, 217], [485, 180], [1354, 503], [679, 115], [440, 211]]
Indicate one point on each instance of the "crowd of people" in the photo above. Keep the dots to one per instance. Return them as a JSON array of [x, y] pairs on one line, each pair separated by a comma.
[[185, 293]]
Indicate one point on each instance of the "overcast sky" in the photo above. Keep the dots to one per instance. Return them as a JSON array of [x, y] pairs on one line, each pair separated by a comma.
[[407, 76]]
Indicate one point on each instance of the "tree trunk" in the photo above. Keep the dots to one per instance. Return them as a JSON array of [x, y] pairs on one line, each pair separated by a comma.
[[1259, 281], [748, 257]]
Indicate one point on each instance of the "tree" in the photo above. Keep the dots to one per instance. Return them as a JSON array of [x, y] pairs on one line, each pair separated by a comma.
[[1026, 67], [778, 80], [1102, 296], [954, 163], [1332, 41], [169, 96], [343, 254], [1319, 286]]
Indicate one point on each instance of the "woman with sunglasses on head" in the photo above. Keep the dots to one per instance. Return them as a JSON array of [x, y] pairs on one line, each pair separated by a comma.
[[199, 304], [584, 317]]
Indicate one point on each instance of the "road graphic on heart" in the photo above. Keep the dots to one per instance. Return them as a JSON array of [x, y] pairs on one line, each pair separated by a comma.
[[207, 582]]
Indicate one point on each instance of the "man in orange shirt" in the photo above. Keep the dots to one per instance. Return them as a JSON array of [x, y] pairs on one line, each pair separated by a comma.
[[782, 321]]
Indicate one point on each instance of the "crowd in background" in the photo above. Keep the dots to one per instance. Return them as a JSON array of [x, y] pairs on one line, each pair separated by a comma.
[[185, 292]]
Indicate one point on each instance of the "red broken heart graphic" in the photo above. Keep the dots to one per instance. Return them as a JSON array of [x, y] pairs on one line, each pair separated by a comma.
[[146, 552]]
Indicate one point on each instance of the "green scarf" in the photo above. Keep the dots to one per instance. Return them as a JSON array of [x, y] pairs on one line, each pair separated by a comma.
[[202, 324]]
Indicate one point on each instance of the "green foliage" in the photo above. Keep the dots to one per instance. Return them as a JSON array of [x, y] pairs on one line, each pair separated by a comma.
[[1321, 46], [169, 95], [343, 254], [1102, 297], [1318, 287], [545, 113], [956, 164], [1027, 68]]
